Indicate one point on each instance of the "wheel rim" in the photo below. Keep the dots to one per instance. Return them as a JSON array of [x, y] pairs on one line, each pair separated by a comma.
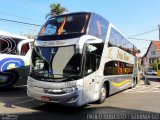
[[103, 93], [9, 80], [132, 83]]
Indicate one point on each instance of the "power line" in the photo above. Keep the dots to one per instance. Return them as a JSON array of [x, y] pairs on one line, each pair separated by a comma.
[[140, 39], [8, 14], [20, 22], [143, 33]]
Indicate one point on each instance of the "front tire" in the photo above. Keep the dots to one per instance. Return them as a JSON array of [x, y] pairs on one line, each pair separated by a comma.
[[103, 94], [134, 83], [12, 77]]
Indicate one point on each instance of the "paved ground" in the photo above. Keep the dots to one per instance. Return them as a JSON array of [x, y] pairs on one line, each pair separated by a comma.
[[154, 86], [129, 104]]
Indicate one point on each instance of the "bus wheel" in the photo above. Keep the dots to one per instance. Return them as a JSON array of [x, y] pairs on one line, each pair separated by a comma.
[[9, 79], [103, 93], [134, 83]]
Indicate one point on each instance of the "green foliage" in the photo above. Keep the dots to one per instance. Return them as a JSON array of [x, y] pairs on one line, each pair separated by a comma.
[[155, 65], [56, 9]]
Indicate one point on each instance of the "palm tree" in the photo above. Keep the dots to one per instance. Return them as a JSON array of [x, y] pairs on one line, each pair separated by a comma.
[[56, 9]]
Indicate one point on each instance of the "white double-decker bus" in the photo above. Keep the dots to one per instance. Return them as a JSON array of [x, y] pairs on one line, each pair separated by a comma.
[[79, 58], [15, 53]]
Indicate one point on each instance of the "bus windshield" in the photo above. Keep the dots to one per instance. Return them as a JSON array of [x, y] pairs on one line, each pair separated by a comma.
[[65, 24], [56, 62]]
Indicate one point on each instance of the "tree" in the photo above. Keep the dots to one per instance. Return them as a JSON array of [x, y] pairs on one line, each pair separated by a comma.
[[56, 9], [155, 65], [29, 36]]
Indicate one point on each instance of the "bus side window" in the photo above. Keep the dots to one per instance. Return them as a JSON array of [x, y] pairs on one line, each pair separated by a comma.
[[90, 64], [24, 49], [117, 68], [93, 57], [111, 68]]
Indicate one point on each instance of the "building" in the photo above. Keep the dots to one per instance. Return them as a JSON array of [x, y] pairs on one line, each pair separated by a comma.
[[152, 56]]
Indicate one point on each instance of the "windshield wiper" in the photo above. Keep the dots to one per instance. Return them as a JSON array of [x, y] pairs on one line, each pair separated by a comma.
[[66, 33], [66, 76], [53, 76]]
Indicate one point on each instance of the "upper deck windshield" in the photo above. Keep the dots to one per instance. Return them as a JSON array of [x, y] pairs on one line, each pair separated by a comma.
[[65, 24]]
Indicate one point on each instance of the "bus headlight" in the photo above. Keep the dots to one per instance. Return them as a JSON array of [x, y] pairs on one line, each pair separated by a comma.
[[70, 90]]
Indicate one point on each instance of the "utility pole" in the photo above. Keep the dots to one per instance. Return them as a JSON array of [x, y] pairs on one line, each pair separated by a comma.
[[159, 31]]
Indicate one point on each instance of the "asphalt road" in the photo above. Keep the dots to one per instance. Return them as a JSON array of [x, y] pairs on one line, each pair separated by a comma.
[[142, 102]]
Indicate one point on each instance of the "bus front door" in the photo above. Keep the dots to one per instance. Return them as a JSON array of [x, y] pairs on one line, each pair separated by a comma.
[[89, 77]]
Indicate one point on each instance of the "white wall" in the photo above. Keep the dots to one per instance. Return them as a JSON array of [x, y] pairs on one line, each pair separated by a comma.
[[150, 55]]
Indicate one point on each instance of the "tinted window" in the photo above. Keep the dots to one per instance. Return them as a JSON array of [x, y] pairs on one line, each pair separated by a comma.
[[65, 24], [117, 68], [118, 40], [98, 26], [93, 57]]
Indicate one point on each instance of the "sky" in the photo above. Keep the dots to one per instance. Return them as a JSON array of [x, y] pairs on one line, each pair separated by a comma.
[[131, 17]]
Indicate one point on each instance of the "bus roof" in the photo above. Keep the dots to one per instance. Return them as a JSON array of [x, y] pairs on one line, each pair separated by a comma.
[[3, 33], [135, 47], [72, 13], [86, 12], [69, 13]]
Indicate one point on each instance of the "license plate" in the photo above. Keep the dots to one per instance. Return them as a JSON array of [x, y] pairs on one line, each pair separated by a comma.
[[45, 98]]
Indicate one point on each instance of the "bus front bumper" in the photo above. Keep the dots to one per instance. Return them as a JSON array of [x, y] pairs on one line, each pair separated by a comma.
[[68, 99]]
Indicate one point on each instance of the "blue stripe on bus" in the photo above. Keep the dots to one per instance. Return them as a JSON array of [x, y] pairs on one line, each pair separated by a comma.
[[5, 63]]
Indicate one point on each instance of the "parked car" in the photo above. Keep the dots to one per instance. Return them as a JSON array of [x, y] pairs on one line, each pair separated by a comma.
[[151, 72]]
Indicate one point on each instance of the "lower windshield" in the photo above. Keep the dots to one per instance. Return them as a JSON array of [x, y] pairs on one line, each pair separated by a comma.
[[55, 62]]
